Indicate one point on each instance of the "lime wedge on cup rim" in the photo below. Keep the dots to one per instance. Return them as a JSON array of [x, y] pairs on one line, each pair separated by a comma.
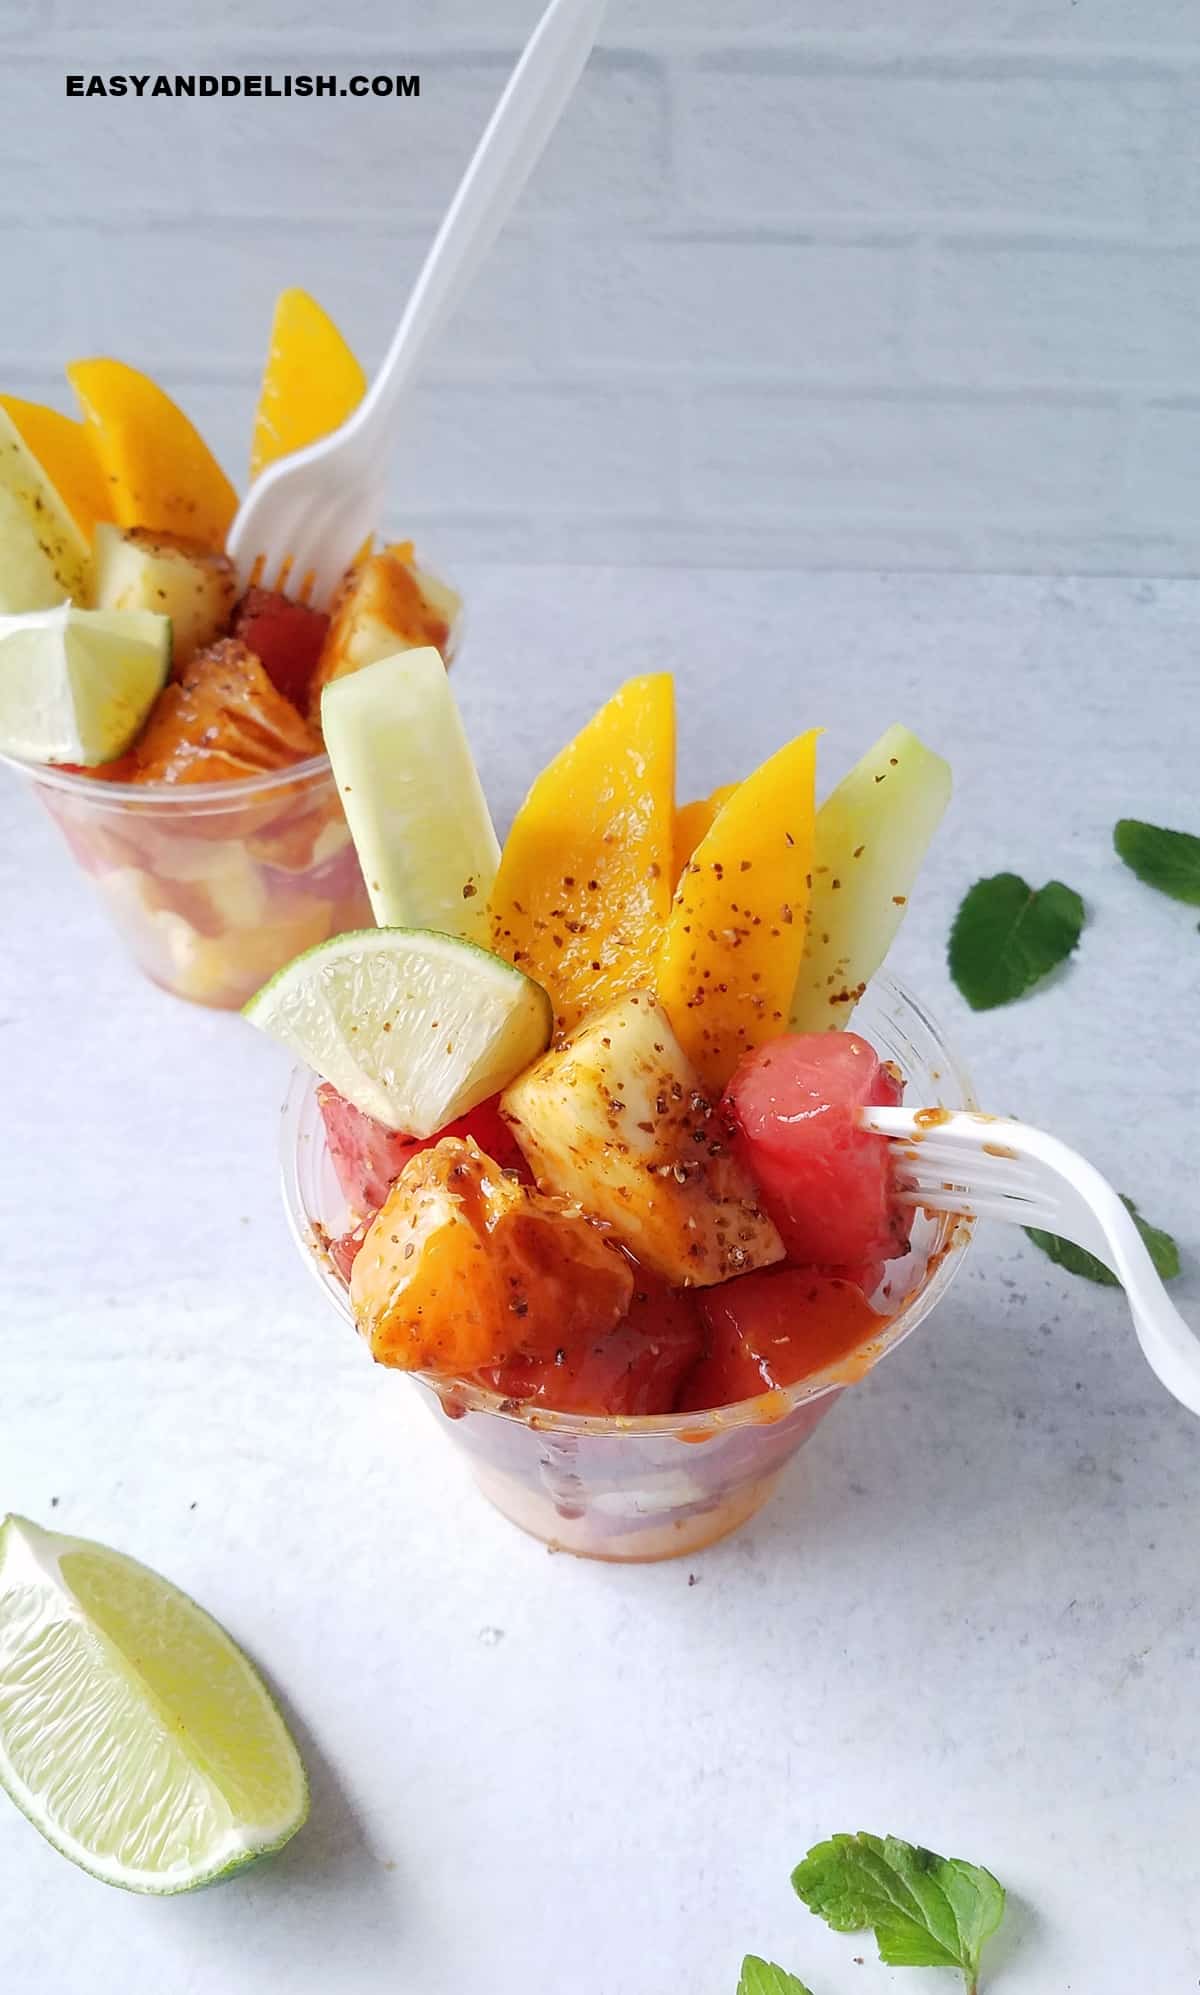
[[134, 1734], [78, 685], [413, 1027]]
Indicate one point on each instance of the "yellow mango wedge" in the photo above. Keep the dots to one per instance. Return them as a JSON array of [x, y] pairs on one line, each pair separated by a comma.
[[584, 886], [160, 472], [693, 822], [735, 939], [310, 384], [64, 451]]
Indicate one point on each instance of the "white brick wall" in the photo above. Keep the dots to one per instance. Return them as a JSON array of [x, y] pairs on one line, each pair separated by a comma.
[[832, 282]]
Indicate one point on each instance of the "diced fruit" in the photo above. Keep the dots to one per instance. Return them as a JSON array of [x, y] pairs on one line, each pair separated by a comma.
[[134, 1734], [872, 833], [615, 1117], [176, 578], [285, 637], [45, 555], [584, 886], [773, 1330], [733, 944], [635, 1369], [384, 606], [412, 796], [76, 685], [793, 1110], [369, 1158], [463, 1266], [413, 1028], [160, 472], [64, 451], [219, 720], [310, 384], [693, 822], [210, 969]]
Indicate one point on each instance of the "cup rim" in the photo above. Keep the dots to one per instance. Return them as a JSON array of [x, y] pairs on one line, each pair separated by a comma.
[[300, 1119], [195, 796], [201, 796]]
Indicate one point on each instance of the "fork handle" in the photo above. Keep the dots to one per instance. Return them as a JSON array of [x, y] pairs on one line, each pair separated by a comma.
[[517, 132]]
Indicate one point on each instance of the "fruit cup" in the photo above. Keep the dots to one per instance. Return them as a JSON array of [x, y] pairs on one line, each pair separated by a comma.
[[661, 1486], [214, 885]]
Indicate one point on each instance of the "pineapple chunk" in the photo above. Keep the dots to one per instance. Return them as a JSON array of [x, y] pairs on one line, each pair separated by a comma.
[[616, 1118], [386, 605], [139, 570], [464, 1266]]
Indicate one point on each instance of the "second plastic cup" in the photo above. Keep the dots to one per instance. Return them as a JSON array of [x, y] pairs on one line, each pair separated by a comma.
[[214, 885], [656, 1486]]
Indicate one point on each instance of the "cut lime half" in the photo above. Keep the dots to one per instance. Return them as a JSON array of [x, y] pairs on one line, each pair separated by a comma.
[[412, 1027], [78, 685], [134, 1734]]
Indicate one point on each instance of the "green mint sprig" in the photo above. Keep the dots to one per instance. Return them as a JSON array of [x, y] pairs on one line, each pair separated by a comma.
[[1167, 860], [925, 1910], [1077, 1261], [1007, 937], [762, 1977]]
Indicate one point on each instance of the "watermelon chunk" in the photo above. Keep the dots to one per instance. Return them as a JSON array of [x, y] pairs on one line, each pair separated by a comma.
[[285, 636], [772, 1329], [635, 1368], [369, 1158], [793, 1110]]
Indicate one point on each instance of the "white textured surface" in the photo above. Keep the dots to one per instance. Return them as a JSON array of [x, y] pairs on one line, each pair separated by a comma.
[[809, 282], [969, 1618]]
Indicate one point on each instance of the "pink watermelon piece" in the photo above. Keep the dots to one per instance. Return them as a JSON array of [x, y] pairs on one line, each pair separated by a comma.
[[793, 1111]]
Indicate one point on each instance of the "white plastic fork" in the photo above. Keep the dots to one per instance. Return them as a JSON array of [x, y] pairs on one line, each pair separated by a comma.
[[305, 518], [988, 1168]]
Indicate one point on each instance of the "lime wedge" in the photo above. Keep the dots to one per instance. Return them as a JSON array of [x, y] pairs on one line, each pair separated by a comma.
[[43, 554], [412, 1027], [133, 1733], [78, 685], [411, 794]]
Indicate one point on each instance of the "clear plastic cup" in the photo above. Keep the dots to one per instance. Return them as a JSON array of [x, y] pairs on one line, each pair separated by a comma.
[[214, 885], [636, 1489]]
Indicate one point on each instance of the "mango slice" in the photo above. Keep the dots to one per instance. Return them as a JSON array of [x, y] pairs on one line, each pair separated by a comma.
[[310, 384], [160, 472], [733, 945], [462, 1267], [64, 451], [693, 822], [584, 886]]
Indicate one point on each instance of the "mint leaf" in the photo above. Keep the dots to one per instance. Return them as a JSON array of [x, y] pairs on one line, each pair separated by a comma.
[[1168, 860], [760, 1977], [1006, 937], [926, 1910], [1077, 1261]]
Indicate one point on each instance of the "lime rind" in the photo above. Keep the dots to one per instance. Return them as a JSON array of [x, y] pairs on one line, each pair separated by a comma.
[[412, 1026], [150, 1776]]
